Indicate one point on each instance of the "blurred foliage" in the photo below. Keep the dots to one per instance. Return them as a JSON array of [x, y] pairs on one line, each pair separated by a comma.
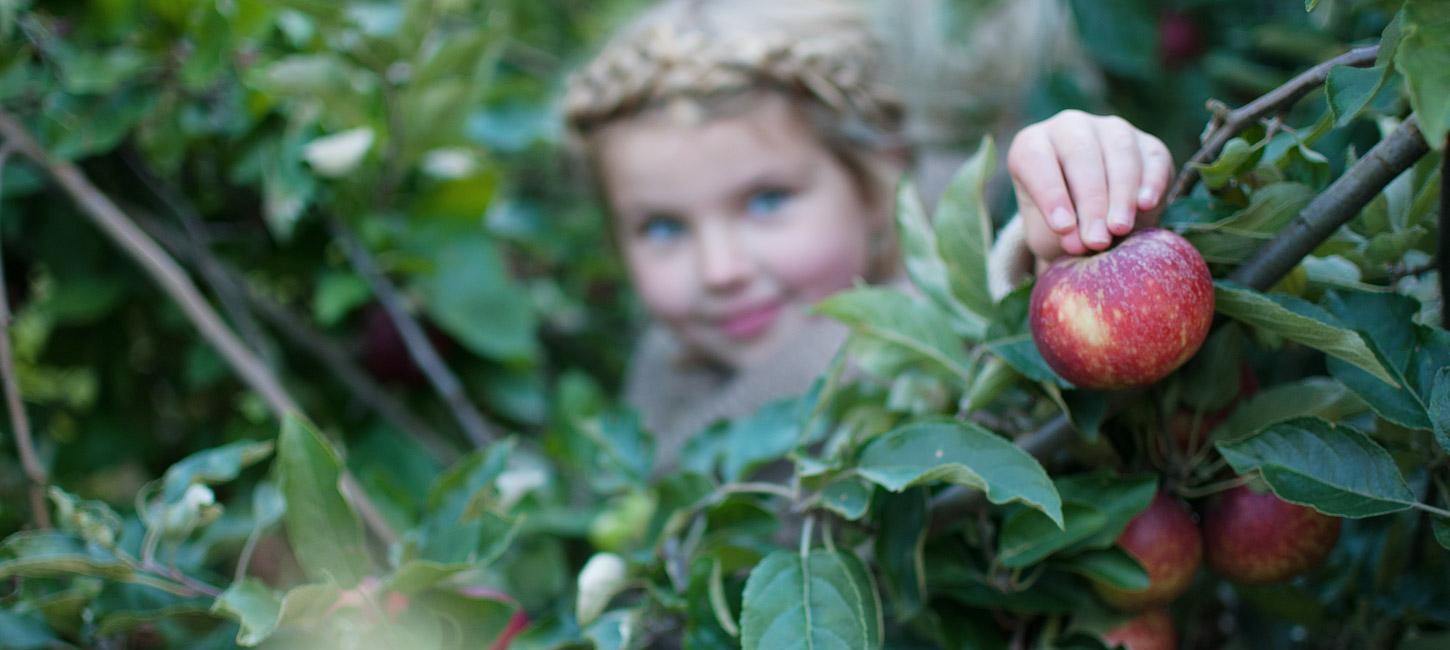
[[188, 516]]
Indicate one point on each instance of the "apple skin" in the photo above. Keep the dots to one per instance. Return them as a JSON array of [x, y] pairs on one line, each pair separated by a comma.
[[1125, 317], [1151, 630], [1165, 539], [386, 356], [1255, 538], [1180, 40]]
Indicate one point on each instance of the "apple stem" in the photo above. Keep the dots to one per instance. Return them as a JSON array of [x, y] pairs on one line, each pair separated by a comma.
[[1198, 492]]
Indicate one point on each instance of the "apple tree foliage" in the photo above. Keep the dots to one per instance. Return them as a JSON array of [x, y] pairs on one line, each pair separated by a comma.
[[938, 486]]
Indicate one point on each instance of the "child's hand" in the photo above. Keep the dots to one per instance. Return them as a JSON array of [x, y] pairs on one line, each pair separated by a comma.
[[1083, 179]]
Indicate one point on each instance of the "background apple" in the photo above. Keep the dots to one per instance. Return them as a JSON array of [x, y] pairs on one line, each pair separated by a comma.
[[1254, 537], [1165, 539], [1151, 630], [1125, 317], [386, 355], [1189, 432]]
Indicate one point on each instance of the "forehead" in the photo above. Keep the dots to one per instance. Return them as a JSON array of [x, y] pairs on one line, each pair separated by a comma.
[[658, 158]]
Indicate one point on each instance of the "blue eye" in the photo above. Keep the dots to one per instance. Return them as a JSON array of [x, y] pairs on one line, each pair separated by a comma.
[[661, 229], [767, 201]]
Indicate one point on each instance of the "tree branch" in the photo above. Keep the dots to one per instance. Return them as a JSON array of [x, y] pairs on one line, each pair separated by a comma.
[[24, 443], [1333, 207], [305, 337], [174, 282], [479, 431], [1227, 125]]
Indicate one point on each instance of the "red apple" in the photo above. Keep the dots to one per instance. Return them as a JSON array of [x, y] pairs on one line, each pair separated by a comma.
[[1256, 538], [1124, 317], [1151, 630], [1163, 538], [385, 354], [1179, 39]]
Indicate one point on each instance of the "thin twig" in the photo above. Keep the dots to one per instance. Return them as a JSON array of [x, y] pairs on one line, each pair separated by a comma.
[[479, 431], [1226, 126], [24, 443], [174, 282], [226, 293], [307, 338]]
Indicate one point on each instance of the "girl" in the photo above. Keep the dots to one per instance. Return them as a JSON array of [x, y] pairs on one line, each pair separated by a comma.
[[748, 150]]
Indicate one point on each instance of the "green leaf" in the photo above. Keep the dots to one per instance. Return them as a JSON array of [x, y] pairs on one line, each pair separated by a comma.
[[964, 230], [1441, 528], [624, 451], [1237, 157], [336, 295], [1121, 35], [323, 529], [962, 453], [902, 524], [1335, 470], [1028, 537], [924, 263], [471, 296], [1319, 397], [898, 319], [1421, 56], [1110, 565], [1257, 309], [848, 497], [822, 601], [1309, 5], [1385, 321], [1233, 238], [253, 606], [1440, 407], [1352, 89], [26, 632], [212, 466], [1022, 354], [1119, 498]]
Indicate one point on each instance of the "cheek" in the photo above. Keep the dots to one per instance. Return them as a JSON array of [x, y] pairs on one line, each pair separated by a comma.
[[663, 283], [826, 257]]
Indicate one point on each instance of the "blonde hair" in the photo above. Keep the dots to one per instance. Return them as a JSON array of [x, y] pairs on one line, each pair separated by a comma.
[[698, 59]]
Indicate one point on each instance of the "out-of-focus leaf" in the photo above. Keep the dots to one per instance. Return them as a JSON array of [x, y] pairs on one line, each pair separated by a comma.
[[253, 606], [848, 497], [213, 466], [1351, 90], [1237, 157], [1119, 498], [962, 453], [1110, 565], [22, 632], [900, 320], [322, 527], [338, 154], [902, 524], [1421, 56], [1335, 470], [1121, 35], [1440, 407], [823, 600], [1319, 397], [964, 231], [471, 295], [924, 260]]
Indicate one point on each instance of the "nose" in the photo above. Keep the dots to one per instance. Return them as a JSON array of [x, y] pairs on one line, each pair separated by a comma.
[[724, 262]]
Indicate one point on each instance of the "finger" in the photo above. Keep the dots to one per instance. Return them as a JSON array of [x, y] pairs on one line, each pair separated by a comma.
[[1033, 164], [1157, 171], [1124, 169], [1077, 147], [1072, 244]]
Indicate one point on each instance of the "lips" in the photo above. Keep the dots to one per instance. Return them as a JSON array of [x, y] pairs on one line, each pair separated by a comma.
[[745, 324]]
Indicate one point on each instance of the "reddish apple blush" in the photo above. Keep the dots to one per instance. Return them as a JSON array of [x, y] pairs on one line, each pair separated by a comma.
[[1126, 317], [1256, 538]]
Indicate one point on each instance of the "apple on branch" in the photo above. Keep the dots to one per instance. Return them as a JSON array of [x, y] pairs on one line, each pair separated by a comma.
[[1125, 317], [1256, 538], [1165, 539], [1151, 630]]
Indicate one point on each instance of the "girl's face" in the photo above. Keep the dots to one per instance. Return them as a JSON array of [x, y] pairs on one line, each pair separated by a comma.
[[733, 227]]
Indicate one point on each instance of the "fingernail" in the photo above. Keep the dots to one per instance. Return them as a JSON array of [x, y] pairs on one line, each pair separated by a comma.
[[1060, 219], [1146, 197], [1097, 233], [1120, 219]]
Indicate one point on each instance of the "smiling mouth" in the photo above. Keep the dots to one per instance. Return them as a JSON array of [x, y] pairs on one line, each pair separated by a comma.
[[750, 323]]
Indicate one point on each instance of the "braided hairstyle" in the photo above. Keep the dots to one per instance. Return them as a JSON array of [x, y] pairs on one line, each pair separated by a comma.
[[693, 60]]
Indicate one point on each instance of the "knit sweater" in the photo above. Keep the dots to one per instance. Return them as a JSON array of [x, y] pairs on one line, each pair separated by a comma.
[[678, 395]]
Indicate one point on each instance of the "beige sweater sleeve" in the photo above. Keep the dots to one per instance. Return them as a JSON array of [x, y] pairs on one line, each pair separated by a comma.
[[1010, 261]]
